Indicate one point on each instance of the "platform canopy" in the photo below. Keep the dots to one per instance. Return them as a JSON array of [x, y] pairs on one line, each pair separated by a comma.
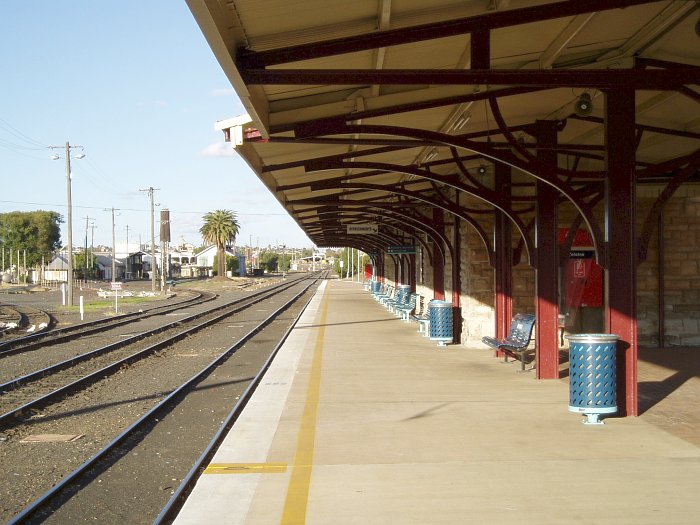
[[363, 111]]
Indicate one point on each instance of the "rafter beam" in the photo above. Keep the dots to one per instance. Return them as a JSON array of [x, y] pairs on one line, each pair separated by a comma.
[[652, 79], [493, 20]]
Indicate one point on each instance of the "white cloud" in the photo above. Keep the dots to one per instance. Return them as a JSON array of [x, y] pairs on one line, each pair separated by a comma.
[[222, 92], [218, 149]]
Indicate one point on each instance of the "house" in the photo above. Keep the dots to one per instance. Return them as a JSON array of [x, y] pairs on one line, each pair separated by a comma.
[[104, 265], [205, 258]]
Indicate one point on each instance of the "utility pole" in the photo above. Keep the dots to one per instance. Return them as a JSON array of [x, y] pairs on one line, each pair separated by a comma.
[[114, 248], [128, 266], [92, 244], [87, 228], [150, 191], [69, 278]]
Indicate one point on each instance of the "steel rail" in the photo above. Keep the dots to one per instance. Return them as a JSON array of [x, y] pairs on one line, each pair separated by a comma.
[[23, 319], [174, 504], [7, 418], [44, 499], [82, 329]]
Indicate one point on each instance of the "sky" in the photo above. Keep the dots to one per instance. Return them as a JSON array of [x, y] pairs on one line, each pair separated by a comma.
[[135, 85]]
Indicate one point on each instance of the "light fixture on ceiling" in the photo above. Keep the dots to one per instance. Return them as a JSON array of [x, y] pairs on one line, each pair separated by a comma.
[[481, 170], [584, 105], [430, 156]]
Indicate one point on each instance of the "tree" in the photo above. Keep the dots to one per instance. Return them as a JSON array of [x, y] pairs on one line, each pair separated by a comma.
[[269, 261], [37, 232], [85, 265], [220, 228]]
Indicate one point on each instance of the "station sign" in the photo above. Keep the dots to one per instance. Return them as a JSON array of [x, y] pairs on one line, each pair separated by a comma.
[[406, 249], [116, 285], [361, 229]]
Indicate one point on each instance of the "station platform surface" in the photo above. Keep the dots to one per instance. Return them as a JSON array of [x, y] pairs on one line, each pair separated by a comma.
[[361, 420]]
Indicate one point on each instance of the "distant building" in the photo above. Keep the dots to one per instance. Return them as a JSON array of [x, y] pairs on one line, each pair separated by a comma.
[[205, 259]]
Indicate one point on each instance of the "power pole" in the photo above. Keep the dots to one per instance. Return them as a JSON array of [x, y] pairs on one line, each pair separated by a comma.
[[128, 266], [114, 248], [92, 244], [150, 191], [87, 228], [69, 277]]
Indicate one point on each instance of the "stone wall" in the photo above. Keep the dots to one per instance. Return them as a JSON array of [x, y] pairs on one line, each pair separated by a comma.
[[681, 273], [681, 270]]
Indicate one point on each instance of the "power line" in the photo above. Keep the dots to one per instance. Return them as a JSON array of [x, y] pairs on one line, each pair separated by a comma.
[[196, 212], [22, 136]]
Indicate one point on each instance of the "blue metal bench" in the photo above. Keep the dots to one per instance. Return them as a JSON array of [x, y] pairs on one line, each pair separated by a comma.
[[406, 309], [388, 295], [384, 292], [421, 316], [515, 345], [401, 297]]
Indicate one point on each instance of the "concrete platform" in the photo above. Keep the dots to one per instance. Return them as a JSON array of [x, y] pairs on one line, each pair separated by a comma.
[[361, 420]]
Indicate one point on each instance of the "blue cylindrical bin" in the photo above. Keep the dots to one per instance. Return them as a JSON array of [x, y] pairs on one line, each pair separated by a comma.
[[376, 286], [592, 375], [440, 314], [402, 293]]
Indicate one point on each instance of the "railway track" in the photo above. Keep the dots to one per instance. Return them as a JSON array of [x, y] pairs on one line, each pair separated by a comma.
[[174, 424], [18, 323], [24, 394], [22, 342]]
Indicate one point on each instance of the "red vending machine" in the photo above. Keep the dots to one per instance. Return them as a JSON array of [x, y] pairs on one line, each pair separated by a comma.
[[581, 304], [582, 276], [368, 272]]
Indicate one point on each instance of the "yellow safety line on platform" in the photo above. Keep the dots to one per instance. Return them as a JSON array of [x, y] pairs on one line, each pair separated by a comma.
[[246, 468], [300, 480]]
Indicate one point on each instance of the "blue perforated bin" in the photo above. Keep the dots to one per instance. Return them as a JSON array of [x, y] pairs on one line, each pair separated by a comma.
[[402, 293], [440, 314], [593, 375], [376, 286]]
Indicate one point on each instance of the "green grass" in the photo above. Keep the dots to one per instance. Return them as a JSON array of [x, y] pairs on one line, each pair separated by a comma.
[[105, 304]]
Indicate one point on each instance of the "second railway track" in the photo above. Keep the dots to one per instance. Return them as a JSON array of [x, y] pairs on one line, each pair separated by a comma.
[[111, 404], [80, 360]]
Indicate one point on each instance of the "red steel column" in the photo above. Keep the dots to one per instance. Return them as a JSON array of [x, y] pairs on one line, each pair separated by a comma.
[[438, 266], [503, 247], [547, 269], [396, 260], [456, 279], [620, 213], [412, 272]]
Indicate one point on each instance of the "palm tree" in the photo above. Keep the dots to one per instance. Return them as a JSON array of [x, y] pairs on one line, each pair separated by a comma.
[[220, 228]]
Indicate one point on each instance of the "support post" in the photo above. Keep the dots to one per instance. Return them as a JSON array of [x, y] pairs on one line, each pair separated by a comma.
[[503, 249], [547, 269], [620, 216], [456, 279], [438, 265], [412, 272]]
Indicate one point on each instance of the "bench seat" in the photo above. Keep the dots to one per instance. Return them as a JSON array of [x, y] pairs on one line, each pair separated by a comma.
[[516, 343]]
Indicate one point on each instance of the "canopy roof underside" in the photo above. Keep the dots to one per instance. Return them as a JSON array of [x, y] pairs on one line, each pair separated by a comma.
[[365, 111]]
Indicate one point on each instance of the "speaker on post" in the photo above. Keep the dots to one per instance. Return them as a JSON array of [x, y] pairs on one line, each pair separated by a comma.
[[584, 105]]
